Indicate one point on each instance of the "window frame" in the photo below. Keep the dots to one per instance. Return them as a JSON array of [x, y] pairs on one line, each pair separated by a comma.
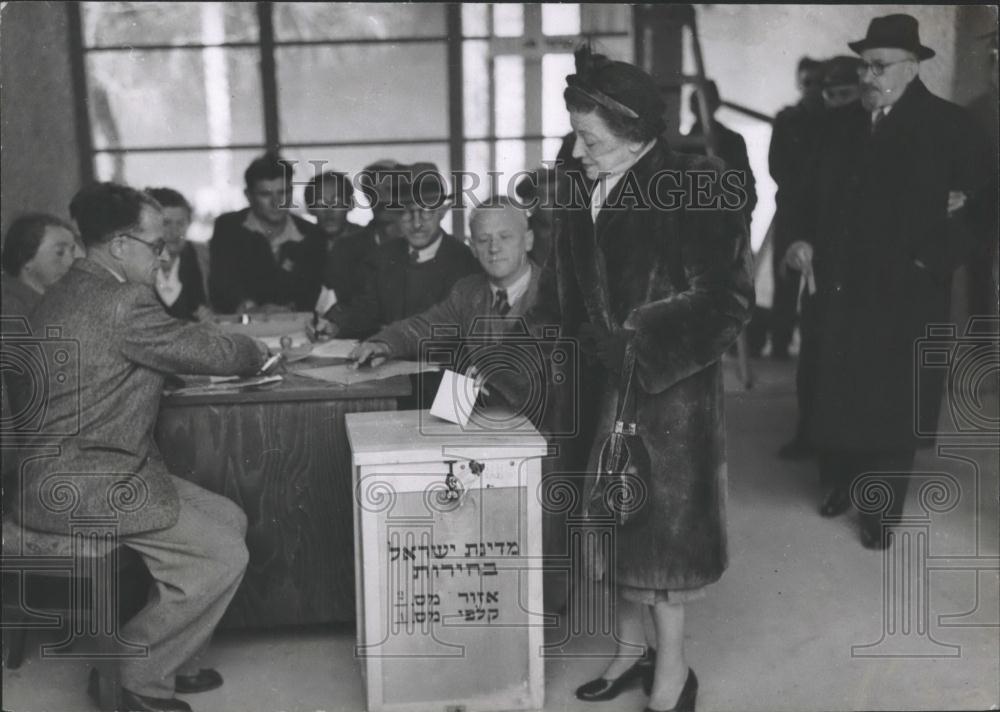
[[532, 45]]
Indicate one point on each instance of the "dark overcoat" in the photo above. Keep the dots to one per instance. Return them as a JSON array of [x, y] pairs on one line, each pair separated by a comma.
[[681, 279], [106, 348], [884, 253]]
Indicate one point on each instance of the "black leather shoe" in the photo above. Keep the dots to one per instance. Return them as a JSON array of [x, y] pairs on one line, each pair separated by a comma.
[[603, 689], [134, 702], [202, 681], [836, 502], [686, 700]]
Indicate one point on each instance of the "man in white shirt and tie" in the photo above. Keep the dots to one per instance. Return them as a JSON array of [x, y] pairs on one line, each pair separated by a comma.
[[501, 240]]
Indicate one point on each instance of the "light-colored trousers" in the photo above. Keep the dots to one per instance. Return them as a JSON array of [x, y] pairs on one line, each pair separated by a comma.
[[196, 565]]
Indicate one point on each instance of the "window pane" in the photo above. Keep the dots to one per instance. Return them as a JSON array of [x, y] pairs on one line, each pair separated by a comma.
[[550, 149], [211, 181], [353, 159], [508, 19], [561, 19], [355, 20], [178, 97], [476, 88], [477, 162], [618, 48], [475, 21], [606, 17], [331, 93], [508, 88], [510, 162], [555, 118], [145, 23]]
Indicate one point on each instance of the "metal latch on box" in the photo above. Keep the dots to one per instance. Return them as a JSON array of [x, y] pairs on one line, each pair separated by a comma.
[[454, 487]]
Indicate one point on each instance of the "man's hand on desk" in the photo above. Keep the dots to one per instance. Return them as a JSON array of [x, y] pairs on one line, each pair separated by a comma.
[[203, 313], [322, 330], [263, 348], [369, 353]]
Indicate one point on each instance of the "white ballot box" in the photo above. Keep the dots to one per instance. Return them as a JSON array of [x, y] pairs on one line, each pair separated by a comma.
[[448, 558]]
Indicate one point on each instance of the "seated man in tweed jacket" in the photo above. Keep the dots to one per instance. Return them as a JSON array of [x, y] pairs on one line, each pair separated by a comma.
[[100, 416]]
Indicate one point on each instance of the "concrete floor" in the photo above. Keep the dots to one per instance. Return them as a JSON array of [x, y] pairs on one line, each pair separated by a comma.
[[776, 633]]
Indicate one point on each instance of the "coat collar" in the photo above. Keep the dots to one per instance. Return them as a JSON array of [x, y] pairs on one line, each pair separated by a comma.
[[913, 96], [95, 269], [585, 236]]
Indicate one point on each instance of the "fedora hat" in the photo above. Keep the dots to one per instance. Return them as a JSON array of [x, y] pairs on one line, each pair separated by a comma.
[[424, 186], [896, 31]]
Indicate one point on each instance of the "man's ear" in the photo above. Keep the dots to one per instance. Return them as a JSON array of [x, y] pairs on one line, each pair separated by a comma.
[[116, 247], [529, 240], [246, 192]]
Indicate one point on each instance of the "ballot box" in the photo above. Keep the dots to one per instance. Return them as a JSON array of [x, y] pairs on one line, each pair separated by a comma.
[[448, 557]]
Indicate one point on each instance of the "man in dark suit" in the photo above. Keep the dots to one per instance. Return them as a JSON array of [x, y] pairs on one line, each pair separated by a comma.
[[880, 247], [263, 256], [842, 97], [794, 138], [99, 418], [410, 275], [329, 198], [181, 282], [506, 287], [730, 145]]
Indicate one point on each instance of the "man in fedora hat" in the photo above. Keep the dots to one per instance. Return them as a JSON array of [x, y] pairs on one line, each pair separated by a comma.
[[880, 244], [407, 276]]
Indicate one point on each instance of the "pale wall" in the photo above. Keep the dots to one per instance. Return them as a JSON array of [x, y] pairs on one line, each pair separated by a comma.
[[39, 160]]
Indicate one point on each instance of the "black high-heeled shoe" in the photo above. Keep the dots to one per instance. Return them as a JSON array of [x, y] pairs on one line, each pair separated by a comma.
[[604, 689], [686, 700]]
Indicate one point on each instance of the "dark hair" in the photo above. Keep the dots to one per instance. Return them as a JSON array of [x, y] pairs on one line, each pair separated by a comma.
[[808, 64], [314, 188], [170, 198], [640, 130], [267, 167], [711, 96], [23, 238], [102, 209]]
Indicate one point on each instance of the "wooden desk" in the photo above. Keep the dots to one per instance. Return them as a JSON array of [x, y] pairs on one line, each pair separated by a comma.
[[282, 455]]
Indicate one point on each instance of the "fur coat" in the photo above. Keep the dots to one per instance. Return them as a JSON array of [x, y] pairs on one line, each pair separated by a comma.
[[681, 281]]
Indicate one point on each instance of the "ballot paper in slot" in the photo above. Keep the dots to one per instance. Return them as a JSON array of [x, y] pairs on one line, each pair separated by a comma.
[[455, 398]]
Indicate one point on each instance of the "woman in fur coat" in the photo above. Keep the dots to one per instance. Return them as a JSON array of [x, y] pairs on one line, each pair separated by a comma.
[[653, 253]]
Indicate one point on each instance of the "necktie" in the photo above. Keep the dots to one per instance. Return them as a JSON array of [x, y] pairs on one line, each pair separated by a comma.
[[500, 304], [414, 255], [877, 119]]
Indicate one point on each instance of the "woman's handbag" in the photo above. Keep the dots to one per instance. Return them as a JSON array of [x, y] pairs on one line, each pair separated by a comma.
[[622, 480]]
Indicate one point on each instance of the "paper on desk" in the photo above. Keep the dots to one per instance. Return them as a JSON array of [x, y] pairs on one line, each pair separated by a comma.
[[346, 374], [334, 348], [274, 342], [227, 385]]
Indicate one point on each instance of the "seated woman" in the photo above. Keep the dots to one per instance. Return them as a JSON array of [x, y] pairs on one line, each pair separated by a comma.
[[37, 251], [180, 283]]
